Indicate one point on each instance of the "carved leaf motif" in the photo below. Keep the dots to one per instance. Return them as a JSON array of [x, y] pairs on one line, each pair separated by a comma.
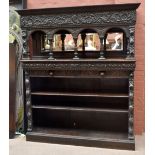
[[74, 19], [79, 66], [127, 17]]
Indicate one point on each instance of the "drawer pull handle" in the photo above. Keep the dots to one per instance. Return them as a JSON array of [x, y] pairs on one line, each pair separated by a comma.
[[101, 73], [50, 73]]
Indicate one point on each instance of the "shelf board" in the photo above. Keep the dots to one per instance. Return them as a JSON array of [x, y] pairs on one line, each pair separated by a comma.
[[80, 76], [106, 139], [80, 94], [80, 60], [80, 109]]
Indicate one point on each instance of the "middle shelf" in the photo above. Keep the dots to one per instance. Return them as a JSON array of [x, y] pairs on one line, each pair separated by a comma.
[[80, 94], [79, 99], [79, 109]]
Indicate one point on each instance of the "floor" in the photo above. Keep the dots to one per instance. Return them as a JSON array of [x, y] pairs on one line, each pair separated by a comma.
[[19, 146]]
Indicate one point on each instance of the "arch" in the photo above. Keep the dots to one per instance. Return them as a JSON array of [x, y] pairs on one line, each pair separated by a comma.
[[36, 42], [117, 29], [63, 41], [88, 40], [57, 31], [119, 42], [36, 30], [88, 30]]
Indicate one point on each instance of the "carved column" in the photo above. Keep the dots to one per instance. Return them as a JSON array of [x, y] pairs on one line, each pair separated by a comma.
[[26, 53], [28, 101], [63, 36], [131, 107], [49, 37], [102, 49], [83, 37], [130, 43], [75, 49]]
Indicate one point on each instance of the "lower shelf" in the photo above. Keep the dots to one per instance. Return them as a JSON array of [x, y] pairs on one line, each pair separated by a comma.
[[113, 140]]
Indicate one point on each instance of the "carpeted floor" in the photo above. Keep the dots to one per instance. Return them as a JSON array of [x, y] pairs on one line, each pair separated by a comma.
[[19, 146]]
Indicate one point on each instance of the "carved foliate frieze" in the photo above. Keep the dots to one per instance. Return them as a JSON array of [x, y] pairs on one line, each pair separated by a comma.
[[131, 107], [79, 66], [28, 101], [72, 19]]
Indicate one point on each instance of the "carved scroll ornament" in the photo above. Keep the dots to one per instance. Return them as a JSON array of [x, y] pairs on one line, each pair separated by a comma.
[[79, 66], [55, 20]]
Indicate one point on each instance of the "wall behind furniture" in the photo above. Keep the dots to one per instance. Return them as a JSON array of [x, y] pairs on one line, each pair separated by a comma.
[[139, 46]]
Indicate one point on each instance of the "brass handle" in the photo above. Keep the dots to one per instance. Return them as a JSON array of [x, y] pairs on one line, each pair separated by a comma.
[[50, 73], [101, 73]]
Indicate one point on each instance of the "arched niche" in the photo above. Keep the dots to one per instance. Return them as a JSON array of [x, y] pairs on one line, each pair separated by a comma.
[[88, 40], [36, 42], [63, 41], [115, 39], [115, 43]]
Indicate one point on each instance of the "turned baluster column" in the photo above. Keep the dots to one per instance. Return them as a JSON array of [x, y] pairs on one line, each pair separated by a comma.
[[28, 101], [83, 37], [63, 36], [131, 107], [75, 49], [102, 48], [49, 37]]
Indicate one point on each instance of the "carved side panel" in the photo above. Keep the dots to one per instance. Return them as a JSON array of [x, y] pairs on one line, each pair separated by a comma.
[[131, 107], [25, 43], [131, 42], [28, 101]]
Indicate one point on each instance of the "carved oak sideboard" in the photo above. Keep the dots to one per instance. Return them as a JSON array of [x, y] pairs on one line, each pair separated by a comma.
[[79, 67]]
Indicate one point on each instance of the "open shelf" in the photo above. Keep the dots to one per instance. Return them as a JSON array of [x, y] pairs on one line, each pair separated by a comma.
[[69, 86], [86, 108], [80, 101], [81, 118]]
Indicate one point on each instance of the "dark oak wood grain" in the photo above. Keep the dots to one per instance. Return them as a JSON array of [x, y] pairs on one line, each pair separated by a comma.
[[79, 97]]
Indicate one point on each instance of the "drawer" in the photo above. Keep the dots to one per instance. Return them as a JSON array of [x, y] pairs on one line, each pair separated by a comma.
[[78, 73]]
